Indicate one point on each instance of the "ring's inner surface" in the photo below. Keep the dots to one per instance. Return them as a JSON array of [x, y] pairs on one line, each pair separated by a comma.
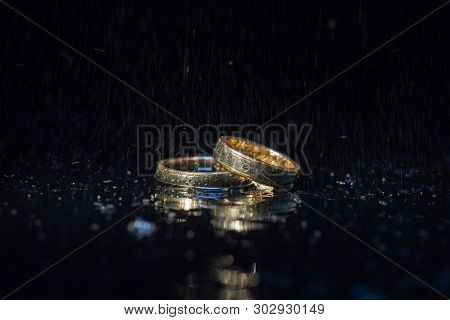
[[194, 165], [260, 153]]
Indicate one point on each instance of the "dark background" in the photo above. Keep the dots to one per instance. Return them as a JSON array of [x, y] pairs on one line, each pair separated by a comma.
[[55, 103], [58, 109]]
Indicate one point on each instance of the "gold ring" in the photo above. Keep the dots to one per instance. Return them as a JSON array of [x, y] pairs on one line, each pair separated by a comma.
[[198, 172], [255, 162]]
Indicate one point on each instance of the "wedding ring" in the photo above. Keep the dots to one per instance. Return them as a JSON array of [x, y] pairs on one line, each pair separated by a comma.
[[255, 162], [198, 172]]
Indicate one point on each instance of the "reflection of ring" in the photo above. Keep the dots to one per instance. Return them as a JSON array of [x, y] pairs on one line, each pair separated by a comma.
[[255, 162], [188, 199], [239, 226], [199, 172], [254, 206], [261, 211]]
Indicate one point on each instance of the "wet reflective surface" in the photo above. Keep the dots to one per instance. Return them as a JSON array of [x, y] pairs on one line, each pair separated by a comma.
[[241, 244]]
